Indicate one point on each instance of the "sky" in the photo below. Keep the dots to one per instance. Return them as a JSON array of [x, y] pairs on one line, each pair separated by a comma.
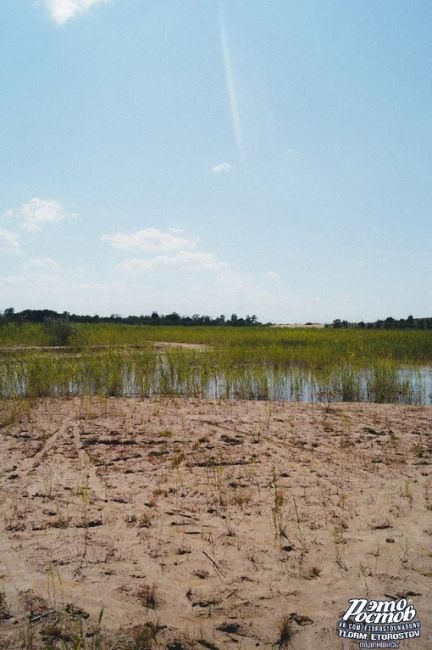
[[202, 156]]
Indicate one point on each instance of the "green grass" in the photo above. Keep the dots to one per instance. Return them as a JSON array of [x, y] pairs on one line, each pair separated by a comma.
[[311, 347], [256, 362]]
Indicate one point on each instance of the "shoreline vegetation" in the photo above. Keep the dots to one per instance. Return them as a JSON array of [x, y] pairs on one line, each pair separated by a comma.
[[63, 358]]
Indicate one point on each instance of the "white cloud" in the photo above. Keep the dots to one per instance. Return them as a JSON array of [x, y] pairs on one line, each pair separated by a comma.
[[63, 10], [8, 215], [37, 213], [184, 260], [272, 275], [150, 240], [9, 242], [222, 168], [42, 263]]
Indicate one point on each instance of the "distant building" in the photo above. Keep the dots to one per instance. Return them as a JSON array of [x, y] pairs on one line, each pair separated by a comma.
[[296, 325]]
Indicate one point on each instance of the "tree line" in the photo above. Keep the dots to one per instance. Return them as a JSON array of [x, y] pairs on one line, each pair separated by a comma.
[[388, 323], [9, 315], [44, 315]]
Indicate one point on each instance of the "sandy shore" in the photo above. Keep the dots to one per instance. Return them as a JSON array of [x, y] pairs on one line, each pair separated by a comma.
[[210, 524]]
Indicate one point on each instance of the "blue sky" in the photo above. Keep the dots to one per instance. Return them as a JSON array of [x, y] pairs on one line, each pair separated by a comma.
[[271, 158]]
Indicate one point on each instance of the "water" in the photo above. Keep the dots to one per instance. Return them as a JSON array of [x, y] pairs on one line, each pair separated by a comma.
[[404, 385], [382, 384]]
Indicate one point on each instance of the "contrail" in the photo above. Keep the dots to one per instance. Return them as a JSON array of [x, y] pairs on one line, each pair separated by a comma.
[[231, 87]]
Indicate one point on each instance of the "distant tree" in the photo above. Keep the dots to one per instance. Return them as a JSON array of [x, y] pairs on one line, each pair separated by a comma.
[[172, 318], [59, 331]]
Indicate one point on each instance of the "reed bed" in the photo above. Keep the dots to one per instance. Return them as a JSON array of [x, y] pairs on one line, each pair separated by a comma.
[[298, 372], [307, 347]]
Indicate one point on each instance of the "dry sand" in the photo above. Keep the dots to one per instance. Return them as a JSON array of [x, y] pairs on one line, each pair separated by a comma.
[[203, 524]]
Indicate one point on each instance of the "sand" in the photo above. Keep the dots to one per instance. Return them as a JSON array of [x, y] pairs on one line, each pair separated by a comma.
[[184, 523]]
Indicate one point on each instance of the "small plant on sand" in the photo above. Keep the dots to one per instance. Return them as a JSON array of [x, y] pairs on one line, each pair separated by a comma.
[[148, 595], [15, 518], [47, 479], [300, 532], [407, 493], [27, 637], [218, 481], [339, 540], [241, 498], [177, 459], [54, 583], [427, 496], [404, 551], [145, 521], [263, 424], [286, 632], [278, 501], [418, 449], [15, 410], [84, 494]]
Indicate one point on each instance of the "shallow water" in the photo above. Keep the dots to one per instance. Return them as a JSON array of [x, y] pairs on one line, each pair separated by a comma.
[[382, 384], [406, 386], [403, 385]]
